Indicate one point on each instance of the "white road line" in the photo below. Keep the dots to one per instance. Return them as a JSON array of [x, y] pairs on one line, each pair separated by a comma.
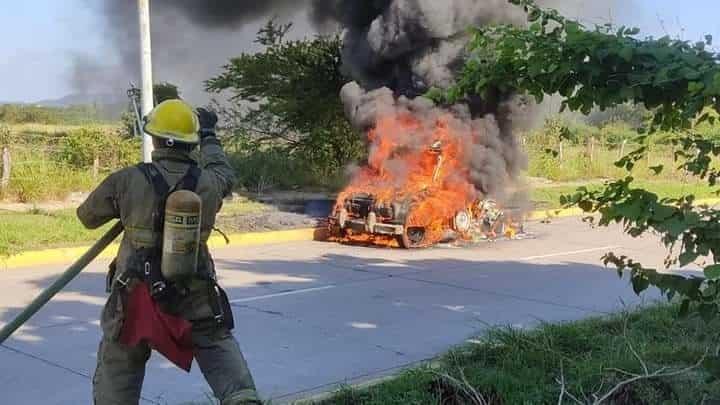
[[573, 252], [282, 294]]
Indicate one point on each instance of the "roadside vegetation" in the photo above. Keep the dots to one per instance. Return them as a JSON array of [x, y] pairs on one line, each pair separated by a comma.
[[42, 229], [645, 357]]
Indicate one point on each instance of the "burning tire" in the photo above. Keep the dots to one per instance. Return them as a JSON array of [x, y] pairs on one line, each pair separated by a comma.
[[412, 238]]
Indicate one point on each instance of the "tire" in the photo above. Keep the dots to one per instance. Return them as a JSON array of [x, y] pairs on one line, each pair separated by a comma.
[[412, 238]]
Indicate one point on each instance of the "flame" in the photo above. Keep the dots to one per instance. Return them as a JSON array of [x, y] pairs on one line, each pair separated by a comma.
[[427, 163], [423, 161]]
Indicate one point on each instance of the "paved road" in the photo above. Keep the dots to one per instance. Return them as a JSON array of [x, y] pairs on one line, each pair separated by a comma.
[[313, 315]]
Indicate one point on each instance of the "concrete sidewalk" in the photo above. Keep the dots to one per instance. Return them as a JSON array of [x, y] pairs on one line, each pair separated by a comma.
[[312, 315]]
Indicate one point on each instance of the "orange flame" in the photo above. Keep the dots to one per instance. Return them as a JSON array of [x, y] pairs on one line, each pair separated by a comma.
[[425, 161]]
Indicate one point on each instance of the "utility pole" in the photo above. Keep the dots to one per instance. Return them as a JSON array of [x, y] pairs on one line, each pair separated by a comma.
[[146, 72]]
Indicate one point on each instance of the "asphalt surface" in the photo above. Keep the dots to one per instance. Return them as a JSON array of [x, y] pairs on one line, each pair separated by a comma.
[[314, 315]]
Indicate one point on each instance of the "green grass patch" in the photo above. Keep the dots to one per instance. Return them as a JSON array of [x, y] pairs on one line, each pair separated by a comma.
[[37, 229], [510, 366], [549, 196]]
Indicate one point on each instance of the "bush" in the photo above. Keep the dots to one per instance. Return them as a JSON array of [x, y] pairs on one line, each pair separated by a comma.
[[41, 179], [83, 145], [274, 168]]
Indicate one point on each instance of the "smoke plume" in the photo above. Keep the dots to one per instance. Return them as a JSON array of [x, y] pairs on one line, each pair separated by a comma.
[[191, 40], [398, 49]]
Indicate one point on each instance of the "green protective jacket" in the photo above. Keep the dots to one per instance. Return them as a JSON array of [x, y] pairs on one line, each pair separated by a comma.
[[129, 196]]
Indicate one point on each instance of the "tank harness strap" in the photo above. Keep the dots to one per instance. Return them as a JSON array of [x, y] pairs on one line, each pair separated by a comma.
[[162, 190], [219, 303]]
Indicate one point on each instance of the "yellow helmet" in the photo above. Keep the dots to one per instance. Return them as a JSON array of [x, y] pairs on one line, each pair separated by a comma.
[[174, 120]]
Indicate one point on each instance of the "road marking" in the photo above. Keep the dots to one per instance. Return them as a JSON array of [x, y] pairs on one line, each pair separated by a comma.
[[282, 294], [572, 252]]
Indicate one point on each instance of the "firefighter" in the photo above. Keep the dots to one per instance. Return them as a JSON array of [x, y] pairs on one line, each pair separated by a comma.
[[195, 311]]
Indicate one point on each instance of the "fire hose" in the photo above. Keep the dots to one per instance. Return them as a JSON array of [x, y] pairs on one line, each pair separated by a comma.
[[73, 271]]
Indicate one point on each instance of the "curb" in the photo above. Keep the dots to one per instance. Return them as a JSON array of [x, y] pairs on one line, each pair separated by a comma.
[[68, 255]]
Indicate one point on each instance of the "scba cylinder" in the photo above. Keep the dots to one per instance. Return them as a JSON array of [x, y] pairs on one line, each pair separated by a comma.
[[181, 235]]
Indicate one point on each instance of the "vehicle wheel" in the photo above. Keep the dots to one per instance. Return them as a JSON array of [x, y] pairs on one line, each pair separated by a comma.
[[412, 238]]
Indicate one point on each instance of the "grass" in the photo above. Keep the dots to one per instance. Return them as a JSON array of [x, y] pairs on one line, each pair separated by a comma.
[[549, 196], [509, 366], [53, 129], [37, 229]]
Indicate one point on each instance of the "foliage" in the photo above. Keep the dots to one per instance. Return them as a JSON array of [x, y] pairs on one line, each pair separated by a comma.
[[286, 97], [512, 366], [632, 115], [83, 145], [165, 91], [42, 179], [677, 80], [605, 68], [6, 136], [265, 168]]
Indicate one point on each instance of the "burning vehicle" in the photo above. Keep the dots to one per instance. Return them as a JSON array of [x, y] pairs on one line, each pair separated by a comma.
[[435, 170], [416, 189]]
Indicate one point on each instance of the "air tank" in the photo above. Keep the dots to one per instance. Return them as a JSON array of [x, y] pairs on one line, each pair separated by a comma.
[[181, 235]]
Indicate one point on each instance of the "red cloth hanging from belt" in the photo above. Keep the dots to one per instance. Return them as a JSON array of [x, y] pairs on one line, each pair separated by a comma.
[[145, 322]]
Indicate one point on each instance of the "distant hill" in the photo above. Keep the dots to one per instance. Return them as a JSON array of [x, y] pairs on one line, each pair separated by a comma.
[[84, 99]]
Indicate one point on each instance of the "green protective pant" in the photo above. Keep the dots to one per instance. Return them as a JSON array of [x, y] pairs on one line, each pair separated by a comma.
[[120, 369]]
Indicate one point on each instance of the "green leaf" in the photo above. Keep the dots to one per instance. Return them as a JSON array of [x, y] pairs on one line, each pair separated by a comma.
[[687, 257], [657, 169], [627, 53], [640, 284], [684, 308], [662, 212], [712, 272], [708, 311], [696, 87], [585, 205]]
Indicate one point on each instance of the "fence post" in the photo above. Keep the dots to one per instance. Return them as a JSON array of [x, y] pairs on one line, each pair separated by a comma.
[[96, 166], [561, 152], [6, 166], [592, 149], [622, 148]]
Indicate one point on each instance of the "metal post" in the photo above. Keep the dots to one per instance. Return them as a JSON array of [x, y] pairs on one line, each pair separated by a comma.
[[146, 71]]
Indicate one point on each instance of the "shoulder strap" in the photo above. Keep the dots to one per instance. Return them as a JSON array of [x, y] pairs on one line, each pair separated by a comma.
[[156, 179], [162, 190], [190, 179]]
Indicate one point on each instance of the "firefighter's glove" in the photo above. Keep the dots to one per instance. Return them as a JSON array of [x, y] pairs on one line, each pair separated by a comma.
[[208, 120]]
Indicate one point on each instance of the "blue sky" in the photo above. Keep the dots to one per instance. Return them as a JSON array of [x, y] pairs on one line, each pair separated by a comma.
[[39, 35]]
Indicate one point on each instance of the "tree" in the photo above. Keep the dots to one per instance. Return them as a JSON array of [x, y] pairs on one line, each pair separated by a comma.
[[287, 96], [162, 91], [678, 81], [165, 91]]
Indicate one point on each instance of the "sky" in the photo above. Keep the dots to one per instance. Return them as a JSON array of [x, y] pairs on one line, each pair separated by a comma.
[[41, 36]]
